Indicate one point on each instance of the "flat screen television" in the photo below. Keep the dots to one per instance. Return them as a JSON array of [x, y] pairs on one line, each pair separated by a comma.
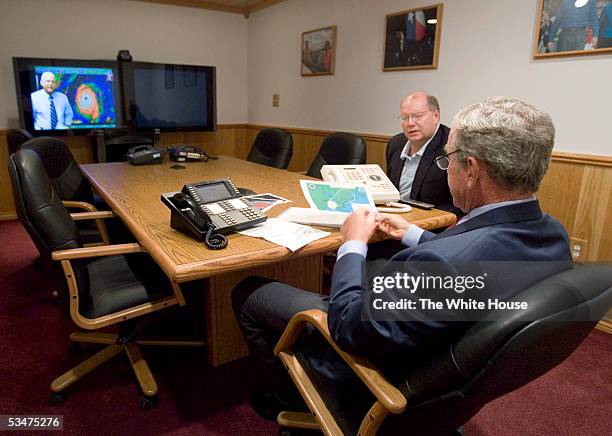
[[169, 97], [55, 96]]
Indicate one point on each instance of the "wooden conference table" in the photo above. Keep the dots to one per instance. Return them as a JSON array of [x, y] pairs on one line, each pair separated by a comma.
[[133, 193]]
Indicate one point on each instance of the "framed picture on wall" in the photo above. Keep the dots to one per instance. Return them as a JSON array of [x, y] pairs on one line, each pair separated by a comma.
[[412, 39], [573, 27], [318, 51]]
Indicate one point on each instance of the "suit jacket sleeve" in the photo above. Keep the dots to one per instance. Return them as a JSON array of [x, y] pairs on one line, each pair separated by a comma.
[[356, 331]]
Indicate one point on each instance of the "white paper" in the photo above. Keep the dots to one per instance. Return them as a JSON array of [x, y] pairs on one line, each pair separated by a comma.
[[287, 234], [305, 215]]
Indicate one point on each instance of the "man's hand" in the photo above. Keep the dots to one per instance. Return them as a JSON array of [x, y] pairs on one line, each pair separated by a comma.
[[392, 225], [359, 225]]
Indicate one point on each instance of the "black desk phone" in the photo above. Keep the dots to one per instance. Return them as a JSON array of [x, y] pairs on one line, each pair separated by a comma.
[[209, 209]]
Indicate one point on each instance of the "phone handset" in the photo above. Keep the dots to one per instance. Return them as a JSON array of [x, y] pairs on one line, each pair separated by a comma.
[[189, 207]]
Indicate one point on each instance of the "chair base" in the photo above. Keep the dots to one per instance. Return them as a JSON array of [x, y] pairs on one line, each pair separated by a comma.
[[146, 381], [297, 420]]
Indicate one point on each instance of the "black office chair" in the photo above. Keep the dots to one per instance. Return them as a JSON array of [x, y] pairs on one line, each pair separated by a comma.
[[338, 149], [70, 185], [494, 357], [16, 137], [272, 147], [104, 287]]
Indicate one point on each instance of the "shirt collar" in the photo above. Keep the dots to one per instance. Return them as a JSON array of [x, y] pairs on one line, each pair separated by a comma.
[[404, 153]]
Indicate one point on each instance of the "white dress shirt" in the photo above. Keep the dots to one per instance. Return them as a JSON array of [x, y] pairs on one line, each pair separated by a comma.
[[411, 164], [41, 110]]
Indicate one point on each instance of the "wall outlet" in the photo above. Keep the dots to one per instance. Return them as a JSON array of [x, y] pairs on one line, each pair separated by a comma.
[[579, 249], [276, 100]]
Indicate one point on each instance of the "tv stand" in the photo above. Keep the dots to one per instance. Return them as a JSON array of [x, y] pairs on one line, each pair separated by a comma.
[[113, 148]]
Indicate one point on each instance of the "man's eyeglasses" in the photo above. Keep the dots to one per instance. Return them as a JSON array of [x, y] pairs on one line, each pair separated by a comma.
[[415, 117], [443, 162]]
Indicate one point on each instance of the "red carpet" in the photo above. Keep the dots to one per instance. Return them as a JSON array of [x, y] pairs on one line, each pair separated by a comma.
[[573, 399]]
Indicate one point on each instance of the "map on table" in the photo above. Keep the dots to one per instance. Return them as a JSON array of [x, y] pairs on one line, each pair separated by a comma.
[[334, 197]]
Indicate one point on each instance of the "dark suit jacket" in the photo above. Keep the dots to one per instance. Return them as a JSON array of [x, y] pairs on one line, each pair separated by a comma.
[[430, 184], [511, 233]]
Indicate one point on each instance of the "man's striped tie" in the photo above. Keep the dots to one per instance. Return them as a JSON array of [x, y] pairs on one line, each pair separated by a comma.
[[53, 112]]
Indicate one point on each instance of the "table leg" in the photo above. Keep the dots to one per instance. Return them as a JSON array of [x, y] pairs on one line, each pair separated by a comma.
[[223, 337]]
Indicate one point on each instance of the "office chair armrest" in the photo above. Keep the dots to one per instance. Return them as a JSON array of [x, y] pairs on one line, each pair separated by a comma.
[[387, 394], [79, 205], [104, 250], [94, 215]]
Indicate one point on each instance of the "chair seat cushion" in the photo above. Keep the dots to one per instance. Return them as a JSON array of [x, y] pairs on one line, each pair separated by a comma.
[[119, 282]]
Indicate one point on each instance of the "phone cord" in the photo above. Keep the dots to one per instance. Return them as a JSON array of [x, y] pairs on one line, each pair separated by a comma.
[[214, 242]]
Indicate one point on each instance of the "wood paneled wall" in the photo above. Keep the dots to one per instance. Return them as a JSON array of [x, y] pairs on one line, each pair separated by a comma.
[[577, 189]]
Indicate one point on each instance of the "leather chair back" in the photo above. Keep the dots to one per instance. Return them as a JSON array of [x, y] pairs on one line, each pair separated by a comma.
[[272, 147], [338, 149], [39, 208], [498, 355], [16, 137], [62, 168]]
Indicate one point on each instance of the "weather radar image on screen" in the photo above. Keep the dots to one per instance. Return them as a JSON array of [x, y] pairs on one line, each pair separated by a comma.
[[73, 98]]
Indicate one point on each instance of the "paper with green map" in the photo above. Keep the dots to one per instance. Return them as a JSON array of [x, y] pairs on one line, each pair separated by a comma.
[[334, 197]]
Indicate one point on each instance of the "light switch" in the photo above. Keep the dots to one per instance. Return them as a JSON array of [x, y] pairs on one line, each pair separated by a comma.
[[276, 100]]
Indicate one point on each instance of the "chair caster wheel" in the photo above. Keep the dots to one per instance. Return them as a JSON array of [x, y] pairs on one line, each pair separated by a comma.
[[74, 348], [57, 399], [147, 403]]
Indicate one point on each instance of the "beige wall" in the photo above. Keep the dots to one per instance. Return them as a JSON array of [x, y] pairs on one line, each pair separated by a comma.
[[485, 50], [94, 29]]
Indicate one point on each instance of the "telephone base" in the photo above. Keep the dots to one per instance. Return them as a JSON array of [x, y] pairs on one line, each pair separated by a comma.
[[178, 221]]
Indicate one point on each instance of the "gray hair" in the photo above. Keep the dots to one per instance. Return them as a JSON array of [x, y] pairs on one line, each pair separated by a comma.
[[432, 102], [514, 139]]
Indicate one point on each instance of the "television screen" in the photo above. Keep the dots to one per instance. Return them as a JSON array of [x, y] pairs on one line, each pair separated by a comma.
[[55, 95], [169, 97]]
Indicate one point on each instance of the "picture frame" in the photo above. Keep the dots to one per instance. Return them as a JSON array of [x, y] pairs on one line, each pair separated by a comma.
[[573, 28], [318, 51], [412, 39]]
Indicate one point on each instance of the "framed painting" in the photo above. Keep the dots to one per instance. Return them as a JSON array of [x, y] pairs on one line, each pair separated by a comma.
[[412, 39], [573, 27], [318, 51]]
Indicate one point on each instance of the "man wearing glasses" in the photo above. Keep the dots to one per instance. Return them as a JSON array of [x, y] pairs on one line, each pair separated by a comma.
[[496, 157], [411, 154]]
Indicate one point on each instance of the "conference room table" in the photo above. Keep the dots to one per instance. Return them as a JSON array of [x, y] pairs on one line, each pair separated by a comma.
[[133, 193]]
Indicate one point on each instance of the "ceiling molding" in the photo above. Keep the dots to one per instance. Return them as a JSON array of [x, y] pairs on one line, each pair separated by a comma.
[[244, 7]]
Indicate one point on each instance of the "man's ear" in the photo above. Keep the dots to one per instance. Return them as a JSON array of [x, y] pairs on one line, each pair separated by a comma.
[[437, 116], [473, 168]]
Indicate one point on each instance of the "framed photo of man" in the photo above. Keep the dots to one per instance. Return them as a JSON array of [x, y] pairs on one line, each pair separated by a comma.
[[573, 27], [412, 39], [318, 51]]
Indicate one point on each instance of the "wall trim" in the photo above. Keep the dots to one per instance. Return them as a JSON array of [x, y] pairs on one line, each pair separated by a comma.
[[8, 216], [585, 159], [4, 132], [557, 156]]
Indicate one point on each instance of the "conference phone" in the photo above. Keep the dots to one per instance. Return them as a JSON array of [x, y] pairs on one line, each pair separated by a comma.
[[207, 210], [188, 153], [370, 175]]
